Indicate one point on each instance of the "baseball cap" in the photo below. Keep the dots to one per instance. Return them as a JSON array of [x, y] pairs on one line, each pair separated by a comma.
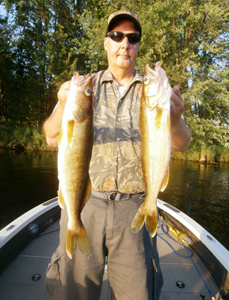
[[123, 14]]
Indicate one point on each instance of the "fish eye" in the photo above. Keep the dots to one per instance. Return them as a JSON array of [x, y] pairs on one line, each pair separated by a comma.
[[146, 80], [88, 92]]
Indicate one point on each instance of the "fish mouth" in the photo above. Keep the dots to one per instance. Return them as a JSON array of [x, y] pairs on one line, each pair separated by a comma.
[[157, 74], [150, 72], [81, 81]]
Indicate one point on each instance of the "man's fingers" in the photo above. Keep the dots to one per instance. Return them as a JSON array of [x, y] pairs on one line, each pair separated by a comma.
[[63, 92], [176, 96], [176, 90], [176, 105], [65, 85]]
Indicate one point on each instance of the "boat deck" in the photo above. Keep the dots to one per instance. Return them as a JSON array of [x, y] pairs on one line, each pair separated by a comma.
[[16, 281]]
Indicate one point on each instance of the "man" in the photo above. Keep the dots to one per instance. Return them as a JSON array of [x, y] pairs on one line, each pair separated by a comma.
[[117, 186]]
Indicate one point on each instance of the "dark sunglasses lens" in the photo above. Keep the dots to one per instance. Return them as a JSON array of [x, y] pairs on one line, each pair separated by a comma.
[[134, 38], [117, 36]]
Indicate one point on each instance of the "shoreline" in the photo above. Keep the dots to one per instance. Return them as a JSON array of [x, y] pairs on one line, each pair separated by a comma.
[[33, 139], [189, 155]]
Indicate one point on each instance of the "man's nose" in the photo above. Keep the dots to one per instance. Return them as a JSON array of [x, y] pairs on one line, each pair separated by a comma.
[[125, 42]]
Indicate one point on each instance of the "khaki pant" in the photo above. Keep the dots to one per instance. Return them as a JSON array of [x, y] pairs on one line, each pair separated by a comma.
[[132, 259]]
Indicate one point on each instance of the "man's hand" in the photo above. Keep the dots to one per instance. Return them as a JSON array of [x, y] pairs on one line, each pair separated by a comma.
[[52, 125], [63, 92], [176, 105], [181, 135]]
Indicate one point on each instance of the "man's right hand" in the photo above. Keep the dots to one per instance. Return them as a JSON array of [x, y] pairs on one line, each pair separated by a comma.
[[63, 92], [52, 125]]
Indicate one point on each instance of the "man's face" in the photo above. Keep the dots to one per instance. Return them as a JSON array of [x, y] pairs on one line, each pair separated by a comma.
[[122, 54]]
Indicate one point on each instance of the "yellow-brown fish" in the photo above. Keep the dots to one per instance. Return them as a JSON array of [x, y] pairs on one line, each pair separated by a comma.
[[75, 147], [154, 125]]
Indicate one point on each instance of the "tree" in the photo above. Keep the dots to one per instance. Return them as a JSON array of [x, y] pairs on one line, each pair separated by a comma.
[[44, 41], [190, 39]]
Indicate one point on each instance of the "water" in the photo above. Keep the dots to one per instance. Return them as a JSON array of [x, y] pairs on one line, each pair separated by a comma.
[[26, 179], [202, 192]]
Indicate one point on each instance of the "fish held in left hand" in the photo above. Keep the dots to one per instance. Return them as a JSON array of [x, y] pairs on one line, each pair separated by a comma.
[[74, 154], [156, 144]]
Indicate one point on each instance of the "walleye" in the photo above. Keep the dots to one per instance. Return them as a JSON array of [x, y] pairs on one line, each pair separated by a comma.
[[154, 125], [75, 147]]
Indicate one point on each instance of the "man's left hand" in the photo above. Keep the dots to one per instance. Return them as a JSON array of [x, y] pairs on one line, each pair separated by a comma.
[[181, 135], [176, 105]]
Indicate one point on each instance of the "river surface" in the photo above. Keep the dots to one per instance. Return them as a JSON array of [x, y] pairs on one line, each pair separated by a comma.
[[201, 191]]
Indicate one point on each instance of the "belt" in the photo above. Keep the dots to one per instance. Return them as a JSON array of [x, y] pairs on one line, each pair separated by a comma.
[[114, 195]]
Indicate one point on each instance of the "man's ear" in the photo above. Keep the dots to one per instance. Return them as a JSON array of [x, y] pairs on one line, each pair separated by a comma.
[[105, 43]]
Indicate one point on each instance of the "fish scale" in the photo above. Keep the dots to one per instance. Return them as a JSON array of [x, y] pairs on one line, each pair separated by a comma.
[[74, 154], [154, 123]]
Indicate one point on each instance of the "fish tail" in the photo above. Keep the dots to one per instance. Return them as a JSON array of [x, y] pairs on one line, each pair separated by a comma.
[[138, 220], [83, 242], [151, 222], [80, 239], [143, 217]]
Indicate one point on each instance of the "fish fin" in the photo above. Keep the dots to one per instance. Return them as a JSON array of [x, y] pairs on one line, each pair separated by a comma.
[[165, 181], [61, 198], [83, 242], [79, 115], [71, 242], [138, 220], [70, 130], [158, 117], [60, 137], [151, 222], [87, 194], [168, 124], [80, 239]]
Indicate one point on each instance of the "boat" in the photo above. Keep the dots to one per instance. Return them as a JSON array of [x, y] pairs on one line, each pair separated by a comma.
[[194, 264]]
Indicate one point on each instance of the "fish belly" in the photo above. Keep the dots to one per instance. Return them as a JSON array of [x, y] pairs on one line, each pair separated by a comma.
[[156, 148], [74, 182]]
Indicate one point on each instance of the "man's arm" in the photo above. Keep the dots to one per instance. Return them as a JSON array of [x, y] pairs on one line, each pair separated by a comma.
[[181, 135], [52, 125]]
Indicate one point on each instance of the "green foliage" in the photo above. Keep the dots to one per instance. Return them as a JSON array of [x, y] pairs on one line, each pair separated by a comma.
[[43, 42], [32, 138], [222, 154]]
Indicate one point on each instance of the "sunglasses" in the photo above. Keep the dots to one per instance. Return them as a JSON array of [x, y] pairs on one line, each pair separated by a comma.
[[118, 36]]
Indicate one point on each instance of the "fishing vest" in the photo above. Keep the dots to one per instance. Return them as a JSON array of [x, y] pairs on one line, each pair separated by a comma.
[[116, 155]]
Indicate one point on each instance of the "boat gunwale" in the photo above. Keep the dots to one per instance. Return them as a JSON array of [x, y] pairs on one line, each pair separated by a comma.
[[41, 213], [213, 254], [17, 234], [14, 227]]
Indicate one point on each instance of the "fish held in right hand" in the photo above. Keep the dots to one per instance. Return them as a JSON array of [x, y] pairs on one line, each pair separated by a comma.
[[75, 148]]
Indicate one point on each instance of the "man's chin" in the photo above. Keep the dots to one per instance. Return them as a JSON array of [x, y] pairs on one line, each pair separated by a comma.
[[124, 63]]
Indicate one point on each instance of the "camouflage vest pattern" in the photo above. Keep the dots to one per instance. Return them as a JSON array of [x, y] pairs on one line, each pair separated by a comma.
[[116, 156]]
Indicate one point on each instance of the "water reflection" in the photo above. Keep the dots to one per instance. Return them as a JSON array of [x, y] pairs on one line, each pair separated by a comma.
[[26, 180], [201, 191]]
